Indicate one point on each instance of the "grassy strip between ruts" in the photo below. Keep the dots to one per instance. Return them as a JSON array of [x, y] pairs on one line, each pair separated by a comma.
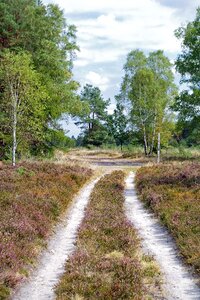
[[173, 193], [32, 197], [106, 264]]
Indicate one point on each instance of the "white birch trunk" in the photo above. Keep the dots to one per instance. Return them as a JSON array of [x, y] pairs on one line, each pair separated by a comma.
[[158, 158], [145, 140], [14, 147], [153, 136], [14, 124]]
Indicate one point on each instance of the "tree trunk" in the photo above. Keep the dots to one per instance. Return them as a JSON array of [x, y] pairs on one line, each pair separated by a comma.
[[14, 147], [158, 158], [153, 137], [145, 141], [14, 121], [144, 135]]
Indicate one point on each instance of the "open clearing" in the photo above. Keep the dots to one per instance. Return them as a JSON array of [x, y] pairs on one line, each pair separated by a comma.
[[178, 283]]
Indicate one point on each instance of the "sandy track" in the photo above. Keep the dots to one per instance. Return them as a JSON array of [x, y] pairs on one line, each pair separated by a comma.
[[179, 284], [51, 265]]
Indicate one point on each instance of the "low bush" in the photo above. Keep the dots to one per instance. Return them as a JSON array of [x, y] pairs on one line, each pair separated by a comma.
[[106, 263], [180, 153], [32, 197], [173, 193]]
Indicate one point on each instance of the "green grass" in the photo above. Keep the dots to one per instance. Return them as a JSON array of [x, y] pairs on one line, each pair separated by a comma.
[[170, 153], [107, 262], [173, 193], [33, 196], [181, 153]]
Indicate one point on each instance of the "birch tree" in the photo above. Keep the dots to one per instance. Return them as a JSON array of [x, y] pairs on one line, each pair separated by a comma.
[[148, 91], [46, 35], [23, 100], [142, 94]]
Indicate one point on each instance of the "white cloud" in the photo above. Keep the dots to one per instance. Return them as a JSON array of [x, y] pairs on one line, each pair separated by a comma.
[[97, 80], [111, 108], [121, 6], [74, 6], [109, 29], [81, 63], [145, 25]]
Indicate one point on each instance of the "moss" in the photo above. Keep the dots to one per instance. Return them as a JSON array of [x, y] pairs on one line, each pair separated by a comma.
[[4, 292]]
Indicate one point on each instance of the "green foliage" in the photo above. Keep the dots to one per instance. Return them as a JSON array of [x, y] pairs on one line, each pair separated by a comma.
[[147, 91], [94, 119], [41, 33], [23, 99], [58, 139], [4, 292], [21, 171], [188, 65], [180, 152], [118, 126]]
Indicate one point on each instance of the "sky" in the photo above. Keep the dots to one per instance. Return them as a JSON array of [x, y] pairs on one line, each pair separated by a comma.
[[107, 30]]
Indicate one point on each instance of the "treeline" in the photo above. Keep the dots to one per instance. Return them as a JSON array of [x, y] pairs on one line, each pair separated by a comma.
[[149, 104], [37, 48]]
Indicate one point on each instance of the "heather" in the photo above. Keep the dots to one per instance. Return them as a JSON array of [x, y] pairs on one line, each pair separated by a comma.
[[107, 263], [173, 193], [33, 197]]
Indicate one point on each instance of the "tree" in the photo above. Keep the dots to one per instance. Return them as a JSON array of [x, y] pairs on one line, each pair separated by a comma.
[[118, 125], [165, 95], [188, 65], [148, 91], [136, 60], [23, 100], [142, 94], [42, 32], [94, 119]]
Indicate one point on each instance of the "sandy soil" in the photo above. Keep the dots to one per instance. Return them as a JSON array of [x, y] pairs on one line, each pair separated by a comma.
[[51, 264], [178, 282]]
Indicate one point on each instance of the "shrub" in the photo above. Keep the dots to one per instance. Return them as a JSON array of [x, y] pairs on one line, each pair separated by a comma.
[[32, 197], [105, 264], [173, 193]]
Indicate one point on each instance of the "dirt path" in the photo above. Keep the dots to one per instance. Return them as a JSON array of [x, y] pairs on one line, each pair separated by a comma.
[[51, 265], [40, 285], [179, 284]]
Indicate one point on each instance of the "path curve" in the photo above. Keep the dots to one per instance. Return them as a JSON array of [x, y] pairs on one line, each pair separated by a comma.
[[51, 266], [156, 240]]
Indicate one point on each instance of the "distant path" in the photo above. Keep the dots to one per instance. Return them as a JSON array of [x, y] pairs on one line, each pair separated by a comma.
[[40, 285], [178, 284], [51, 266], [105, 162]]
